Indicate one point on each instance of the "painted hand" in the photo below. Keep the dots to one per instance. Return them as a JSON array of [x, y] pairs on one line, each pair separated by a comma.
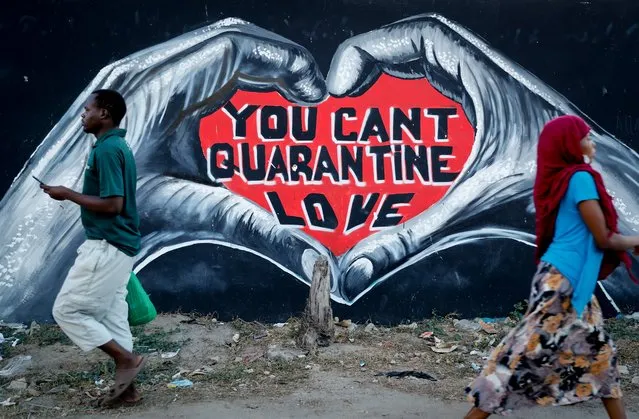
[[168, 88], [507, 105]]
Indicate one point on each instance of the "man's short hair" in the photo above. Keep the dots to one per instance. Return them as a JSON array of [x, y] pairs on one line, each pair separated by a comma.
[[113, 102]]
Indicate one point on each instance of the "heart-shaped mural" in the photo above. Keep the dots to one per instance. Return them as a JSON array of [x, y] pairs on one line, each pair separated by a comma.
[[346, 168]]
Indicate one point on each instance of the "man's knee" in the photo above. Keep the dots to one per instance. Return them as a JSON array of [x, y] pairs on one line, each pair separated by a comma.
[[60, 314], [57, 313]]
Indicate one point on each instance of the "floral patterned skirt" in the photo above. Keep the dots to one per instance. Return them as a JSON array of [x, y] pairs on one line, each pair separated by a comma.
[[551, 357]]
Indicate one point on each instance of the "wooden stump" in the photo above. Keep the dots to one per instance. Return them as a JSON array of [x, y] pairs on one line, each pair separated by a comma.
[[317, 327]]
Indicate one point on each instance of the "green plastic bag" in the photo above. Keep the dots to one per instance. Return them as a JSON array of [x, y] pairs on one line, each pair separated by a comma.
[[141, 309]]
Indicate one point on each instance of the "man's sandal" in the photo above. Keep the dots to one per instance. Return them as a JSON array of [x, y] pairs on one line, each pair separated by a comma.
[[123, 379]]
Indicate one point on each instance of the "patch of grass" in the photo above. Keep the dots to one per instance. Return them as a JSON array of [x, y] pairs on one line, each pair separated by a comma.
[[156, 340], [623, 329], [155, 373], [6, 350], [49, 334], [152, 374], [359, 334], [45, 335], [245, 328], [293, 328], [76, 379], [230, 374], [285, 372], [519, 310], [435, 324]]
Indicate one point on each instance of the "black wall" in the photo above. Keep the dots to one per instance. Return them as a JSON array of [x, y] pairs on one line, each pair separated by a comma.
[[586, 50]]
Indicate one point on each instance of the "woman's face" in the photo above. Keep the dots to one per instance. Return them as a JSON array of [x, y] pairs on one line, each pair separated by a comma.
[[588, 147]]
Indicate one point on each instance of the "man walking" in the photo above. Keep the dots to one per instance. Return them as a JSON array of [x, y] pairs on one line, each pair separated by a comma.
[[91, 307]]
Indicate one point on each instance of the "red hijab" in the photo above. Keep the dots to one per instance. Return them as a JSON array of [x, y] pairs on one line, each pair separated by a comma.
[[558, 158]]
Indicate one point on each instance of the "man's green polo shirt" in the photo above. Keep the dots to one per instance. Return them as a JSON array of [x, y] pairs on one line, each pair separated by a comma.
[[111, 172]]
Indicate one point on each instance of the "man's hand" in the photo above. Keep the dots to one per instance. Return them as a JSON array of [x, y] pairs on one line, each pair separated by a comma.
[[112, 205], [59, 193]]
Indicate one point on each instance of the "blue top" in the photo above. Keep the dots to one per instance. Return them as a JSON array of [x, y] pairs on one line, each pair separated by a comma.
[[573, 250]]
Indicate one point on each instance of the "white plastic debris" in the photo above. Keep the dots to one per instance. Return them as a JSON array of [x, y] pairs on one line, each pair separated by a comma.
[[14, 326], [444, 348], [16, 365], [179, 375], [202, 371], [168, 355], [7, 403]]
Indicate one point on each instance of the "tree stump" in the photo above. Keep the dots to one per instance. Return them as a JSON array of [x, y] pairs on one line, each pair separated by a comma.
[[317, 327]]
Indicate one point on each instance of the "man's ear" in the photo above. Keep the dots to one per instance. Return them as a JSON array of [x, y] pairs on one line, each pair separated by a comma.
[[104, 114]]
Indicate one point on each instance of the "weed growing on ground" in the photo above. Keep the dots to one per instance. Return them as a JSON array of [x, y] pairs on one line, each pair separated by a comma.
[[623, 329], [519, 310], [156, 340], [45, 335], [436, 324], [246, 329], [6, 347], [42, 335]]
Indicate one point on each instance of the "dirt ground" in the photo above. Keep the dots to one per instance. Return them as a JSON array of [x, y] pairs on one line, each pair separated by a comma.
[[241, 369]]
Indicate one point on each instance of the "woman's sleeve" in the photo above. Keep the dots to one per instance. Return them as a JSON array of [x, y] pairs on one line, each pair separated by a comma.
[[582, 187]]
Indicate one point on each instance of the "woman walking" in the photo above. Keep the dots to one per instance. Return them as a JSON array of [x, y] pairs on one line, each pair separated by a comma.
[[559, 353]]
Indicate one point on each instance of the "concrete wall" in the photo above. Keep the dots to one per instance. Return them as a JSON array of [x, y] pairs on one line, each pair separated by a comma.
[[396, 138]]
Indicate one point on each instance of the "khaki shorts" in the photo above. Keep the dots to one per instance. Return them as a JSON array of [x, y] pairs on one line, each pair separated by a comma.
[[91, 307]]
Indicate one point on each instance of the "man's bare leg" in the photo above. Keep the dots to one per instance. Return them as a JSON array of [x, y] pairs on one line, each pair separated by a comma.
[[476, 413], [127, 365], [615, 408], [123, 359]]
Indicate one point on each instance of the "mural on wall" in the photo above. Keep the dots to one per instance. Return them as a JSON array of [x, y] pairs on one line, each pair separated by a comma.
[[418, 129]]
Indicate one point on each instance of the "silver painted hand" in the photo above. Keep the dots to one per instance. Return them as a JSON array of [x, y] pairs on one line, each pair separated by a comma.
[[168, 88], [507, 105]]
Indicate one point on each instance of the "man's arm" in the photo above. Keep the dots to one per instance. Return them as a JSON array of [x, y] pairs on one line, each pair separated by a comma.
[[109, 166], [111, 205]]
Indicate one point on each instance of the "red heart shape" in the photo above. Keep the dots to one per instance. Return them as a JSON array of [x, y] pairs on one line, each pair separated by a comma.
[[268, 139]]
